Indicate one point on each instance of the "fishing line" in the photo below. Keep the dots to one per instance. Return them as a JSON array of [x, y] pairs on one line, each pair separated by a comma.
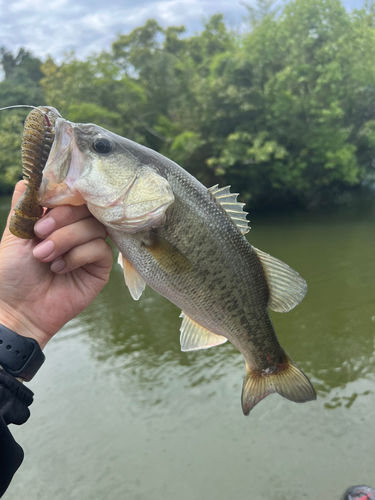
[[18, 106], [28, 106]]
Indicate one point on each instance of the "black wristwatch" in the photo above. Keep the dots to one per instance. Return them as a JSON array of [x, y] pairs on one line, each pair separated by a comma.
[[19, 356]]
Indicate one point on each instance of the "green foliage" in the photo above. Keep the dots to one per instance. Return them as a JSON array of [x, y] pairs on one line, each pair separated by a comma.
[[303, 87], [10, 158], [20, 86], [22, 77], [285, 111], [95, 90]]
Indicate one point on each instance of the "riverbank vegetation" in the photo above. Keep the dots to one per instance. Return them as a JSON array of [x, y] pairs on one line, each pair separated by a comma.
[[283, 109]]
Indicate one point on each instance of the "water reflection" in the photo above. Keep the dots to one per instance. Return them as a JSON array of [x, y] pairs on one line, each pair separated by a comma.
[[333, 324], [139, 343], [130, 415], [330, 334]]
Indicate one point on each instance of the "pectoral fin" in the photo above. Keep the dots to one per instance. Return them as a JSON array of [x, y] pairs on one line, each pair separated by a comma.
[[169, 258], [194, 336], [286, 287], [134, 281]]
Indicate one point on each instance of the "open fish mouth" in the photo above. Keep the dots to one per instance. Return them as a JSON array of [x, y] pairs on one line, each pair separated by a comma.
[[119, 191], [64, 166]]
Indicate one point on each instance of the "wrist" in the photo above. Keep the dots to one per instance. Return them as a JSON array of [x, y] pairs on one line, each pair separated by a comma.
[[20, 356], [16, 321]]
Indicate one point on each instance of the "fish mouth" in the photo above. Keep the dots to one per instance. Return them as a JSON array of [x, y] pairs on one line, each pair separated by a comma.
[[63, 167], [121, 193]]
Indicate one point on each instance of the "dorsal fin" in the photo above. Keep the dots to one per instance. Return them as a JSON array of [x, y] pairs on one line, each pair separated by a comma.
[[194, 336], [134, 281], [286, 287], [234, 209]]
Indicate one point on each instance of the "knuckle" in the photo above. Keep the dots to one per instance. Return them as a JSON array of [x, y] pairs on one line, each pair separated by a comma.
[[67, 214], [103, 246], [105, 249], [98, 227], [103, 232]]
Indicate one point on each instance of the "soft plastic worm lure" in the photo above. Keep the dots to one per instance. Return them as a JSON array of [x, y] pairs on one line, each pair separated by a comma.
[[37, 139]]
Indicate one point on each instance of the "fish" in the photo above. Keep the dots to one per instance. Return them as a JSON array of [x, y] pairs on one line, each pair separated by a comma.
[[37, 140], [187, 242]]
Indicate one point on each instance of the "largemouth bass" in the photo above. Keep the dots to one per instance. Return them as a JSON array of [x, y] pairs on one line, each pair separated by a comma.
[[187, 243]]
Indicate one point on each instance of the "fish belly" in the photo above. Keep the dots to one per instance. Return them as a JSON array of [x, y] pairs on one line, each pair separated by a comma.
[[224, 290]]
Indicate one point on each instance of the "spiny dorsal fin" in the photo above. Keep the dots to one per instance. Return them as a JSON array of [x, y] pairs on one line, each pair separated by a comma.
[[228, 201], [194, 336], [287, 288], [134, 281]]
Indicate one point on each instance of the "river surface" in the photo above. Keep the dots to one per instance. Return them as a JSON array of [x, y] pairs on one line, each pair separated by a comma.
[[121, 412]]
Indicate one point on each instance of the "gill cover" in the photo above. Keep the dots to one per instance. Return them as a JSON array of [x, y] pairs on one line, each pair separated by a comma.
[[90, 165], [142, 205]]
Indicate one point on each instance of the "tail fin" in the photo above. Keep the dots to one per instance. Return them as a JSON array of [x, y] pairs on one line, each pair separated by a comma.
[[290, 382]]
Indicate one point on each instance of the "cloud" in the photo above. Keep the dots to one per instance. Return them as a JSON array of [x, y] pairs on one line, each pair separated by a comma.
[[86, 26], [36, 5]]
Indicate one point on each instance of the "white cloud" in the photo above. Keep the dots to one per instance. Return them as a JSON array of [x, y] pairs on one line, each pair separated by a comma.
[[99, 21], [37, 5], [56, 26], [175, 11]]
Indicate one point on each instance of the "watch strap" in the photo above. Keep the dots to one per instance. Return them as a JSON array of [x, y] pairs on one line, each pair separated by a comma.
[[19, 356]]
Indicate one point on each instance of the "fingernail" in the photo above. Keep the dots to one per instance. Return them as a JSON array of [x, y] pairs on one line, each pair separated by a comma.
[[58, 265], [44, 249], [45, 226]]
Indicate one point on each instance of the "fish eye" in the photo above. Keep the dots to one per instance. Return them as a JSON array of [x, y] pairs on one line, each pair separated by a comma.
[[102, 145]]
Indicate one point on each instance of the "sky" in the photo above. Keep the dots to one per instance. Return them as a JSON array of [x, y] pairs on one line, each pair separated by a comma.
[[55, 27]]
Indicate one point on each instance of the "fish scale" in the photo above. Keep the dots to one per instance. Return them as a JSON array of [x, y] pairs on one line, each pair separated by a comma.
[[174, 235], [227, 304]]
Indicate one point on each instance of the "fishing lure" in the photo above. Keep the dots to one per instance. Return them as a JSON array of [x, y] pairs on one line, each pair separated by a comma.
[[37, 139]]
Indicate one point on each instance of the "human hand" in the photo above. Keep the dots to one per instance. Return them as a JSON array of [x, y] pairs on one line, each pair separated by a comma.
[[38, 298]]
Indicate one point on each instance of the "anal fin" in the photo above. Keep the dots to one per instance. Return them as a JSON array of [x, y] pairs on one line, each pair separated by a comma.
[[133, 280], [194, 336]]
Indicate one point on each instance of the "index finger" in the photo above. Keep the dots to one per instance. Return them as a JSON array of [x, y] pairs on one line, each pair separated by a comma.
[[59, 217]]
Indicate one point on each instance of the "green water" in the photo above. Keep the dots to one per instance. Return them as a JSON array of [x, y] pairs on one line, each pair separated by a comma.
[[120, 412]]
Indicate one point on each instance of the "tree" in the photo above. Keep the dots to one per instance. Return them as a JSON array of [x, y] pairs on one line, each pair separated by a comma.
[[95, 90], [285, 111], [10, 158], [20, 86], [302, 87]]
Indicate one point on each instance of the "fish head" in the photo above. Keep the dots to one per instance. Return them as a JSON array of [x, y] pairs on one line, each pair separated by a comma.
[[90, 165]]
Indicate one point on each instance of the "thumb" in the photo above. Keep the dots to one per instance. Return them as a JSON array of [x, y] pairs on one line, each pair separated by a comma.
[[19, 189]]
